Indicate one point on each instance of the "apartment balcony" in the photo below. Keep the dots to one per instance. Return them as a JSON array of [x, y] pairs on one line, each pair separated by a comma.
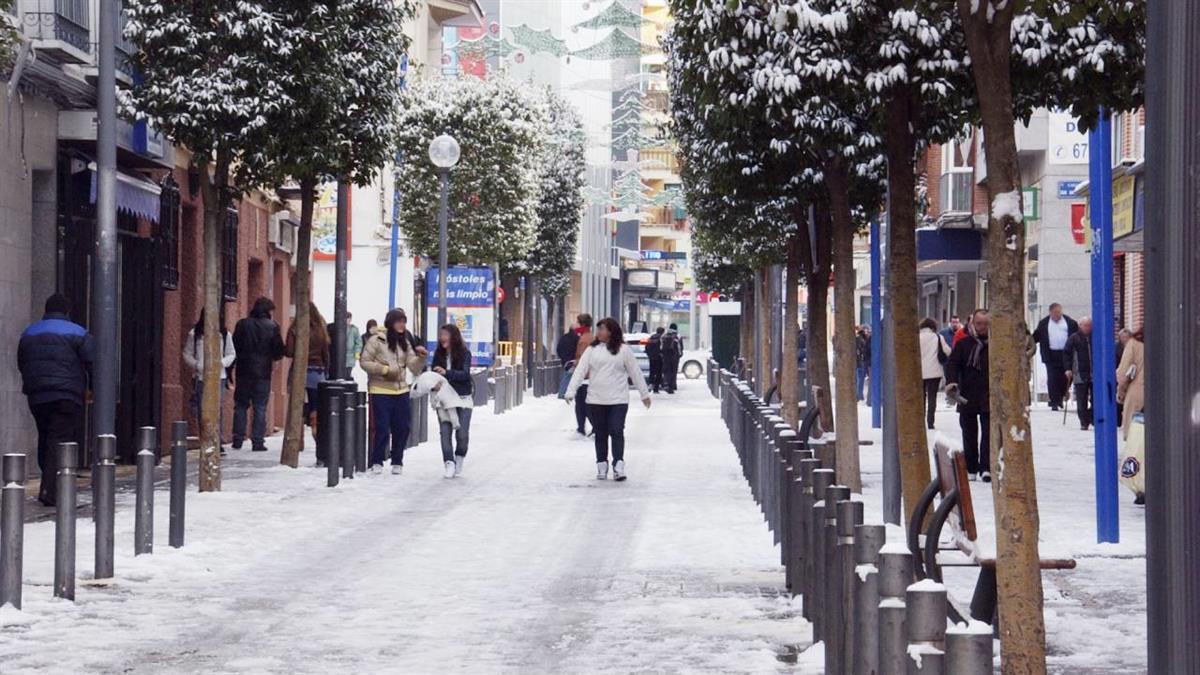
[[956, 191], [59, 29], [659, 165]]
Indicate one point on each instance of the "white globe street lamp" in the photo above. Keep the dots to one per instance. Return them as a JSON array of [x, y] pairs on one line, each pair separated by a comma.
[[444, 153]]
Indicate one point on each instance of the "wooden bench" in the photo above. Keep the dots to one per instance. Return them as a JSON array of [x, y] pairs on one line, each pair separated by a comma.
[[951, 488]]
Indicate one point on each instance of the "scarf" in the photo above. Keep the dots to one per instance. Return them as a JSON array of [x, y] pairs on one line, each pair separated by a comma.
[[976, 357]]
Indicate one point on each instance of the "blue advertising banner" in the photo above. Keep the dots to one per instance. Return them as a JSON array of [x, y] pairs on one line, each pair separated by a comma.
[[470, 305]]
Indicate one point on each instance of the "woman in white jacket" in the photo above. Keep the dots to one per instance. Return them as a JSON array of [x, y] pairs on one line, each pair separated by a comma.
[[934, 352], [193, 358], [608, 365]]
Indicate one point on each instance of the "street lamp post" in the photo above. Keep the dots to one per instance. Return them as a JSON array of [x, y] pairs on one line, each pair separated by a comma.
[[444, 153]]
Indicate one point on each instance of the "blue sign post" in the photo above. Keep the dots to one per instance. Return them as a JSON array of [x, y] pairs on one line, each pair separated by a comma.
[[395, 242], [470, 305], [1103, 335], [876, 333]]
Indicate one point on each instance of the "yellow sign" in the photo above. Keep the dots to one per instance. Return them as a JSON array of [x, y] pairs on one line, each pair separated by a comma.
[[1122, 216]]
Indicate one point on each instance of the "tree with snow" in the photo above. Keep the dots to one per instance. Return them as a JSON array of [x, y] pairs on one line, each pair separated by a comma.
[[10, 37], [560, 197]]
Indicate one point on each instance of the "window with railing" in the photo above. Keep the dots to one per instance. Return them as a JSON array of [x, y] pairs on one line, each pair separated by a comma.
[[67, 21], [229, 256], [956, 185], [168, 232]]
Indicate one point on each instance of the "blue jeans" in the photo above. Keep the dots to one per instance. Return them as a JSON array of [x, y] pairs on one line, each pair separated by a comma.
[[564, 381], [608, 421], [461, 436], [860, 380], [250, 391], [393, 419], [198, 398]]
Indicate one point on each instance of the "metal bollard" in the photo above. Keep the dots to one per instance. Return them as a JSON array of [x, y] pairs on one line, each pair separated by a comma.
[[104, 503], [849, 516], [822, 479], [868, 539], [64, 521], [360, 438], [12, 528], [143, 519], [179, 449], [831, 603], [895, 574], [349, 426], [969, 649], [333, 434], [925, 617], [801, 507]]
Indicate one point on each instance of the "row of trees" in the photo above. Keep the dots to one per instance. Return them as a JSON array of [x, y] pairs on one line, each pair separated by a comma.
[[801, 121], [271, 92]]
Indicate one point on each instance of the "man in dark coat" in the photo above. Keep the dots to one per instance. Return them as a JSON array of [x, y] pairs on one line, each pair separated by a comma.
[[565, 351], [967, 384], [1078, 359], [55, 360], [654, 354], [1051, 335], [258, 344], [672, 351], [862, 360]]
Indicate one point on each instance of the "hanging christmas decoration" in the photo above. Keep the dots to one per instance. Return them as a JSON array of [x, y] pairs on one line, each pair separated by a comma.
[[616, 45], [613, 16], [484, 48], [536, 41]]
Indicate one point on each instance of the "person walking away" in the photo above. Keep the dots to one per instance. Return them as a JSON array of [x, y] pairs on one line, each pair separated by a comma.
[[258, 345], [967, 383], [353, 344], [609, 365], [1078, 355], [193, 358], [862, 360], [452, 360], [1052, 334], [654, 354], [1131, 380], [672, 351], [934, 353], [565, 351], [54, 356], [951, 330], [318, 366], [1123, 337], [585, 341], [388, 355]]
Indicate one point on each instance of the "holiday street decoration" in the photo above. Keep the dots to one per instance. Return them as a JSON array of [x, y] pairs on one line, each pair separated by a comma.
[[483, 48], [538, 41], [616, 45], [615, 15]]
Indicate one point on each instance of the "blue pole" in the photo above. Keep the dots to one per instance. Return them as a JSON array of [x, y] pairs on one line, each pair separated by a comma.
[[1103, 334], [876, 333], [395, 244]]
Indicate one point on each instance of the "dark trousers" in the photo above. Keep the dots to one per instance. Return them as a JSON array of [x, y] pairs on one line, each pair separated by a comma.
[[608, 421], [1083, 403], [670, 373], [461, 436], [1056, 379], [931, 392], [860, 381], [977, 441], [57, 422], [393, 419], [581, 409], [656, 373], [250, 392]]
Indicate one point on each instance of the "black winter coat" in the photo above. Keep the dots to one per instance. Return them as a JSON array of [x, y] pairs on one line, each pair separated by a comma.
[[458, 374], [1077, 357], [672, 347], [972, 381], [567, 344], [258, 344], [654, 349], [1042, 335], [55, 359]]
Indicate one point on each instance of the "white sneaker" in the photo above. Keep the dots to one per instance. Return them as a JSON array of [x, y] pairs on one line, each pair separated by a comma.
[[376, 468], [449, 470], [986, 476], [458, 464], [601, 470], [397, 469], [619, 470]]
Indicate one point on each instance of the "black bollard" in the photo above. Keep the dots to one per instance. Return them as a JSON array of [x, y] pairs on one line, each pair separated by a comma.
[[360, 437], [64, 521], [849, 516], [143, 523], [104, 503], [332, 432], [349, 423], [12, 528], [179, 449], [831, 589], [814, 568]]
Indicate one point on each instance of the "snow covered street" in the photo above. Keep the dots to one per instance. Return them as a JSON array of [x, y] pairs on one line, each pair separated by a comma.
[[526, 563]]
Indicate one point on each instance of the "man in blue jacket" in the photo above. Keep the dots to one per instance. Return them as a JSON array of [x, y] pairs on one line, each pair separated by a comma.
[[55, 360]]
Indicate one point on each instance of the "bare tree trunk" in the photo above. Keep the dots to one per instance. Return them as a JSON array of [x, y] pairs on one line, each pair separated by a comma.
[[789, 376], [293, 432], [216, 200], [764, 377], [844, 338], [902, 291], [746, 327], [817, 328], [1022, 625]]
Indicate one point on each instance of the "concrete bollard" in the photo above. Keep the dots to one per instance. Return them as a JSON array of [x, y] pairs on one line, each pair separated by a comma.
[[333, 432], [143, 519], [179, 450], [12, 528], [895, 575], [360, 437], [969, 649], [868, 539], [925, 619], [849, 516], [64, 521], [104, 503], [831, 587], [349, 424], [821, 480]]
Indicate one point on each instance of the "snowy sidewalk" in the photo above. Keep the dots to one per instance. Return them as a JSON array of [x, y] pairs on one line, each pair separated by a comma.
[[524, 564]]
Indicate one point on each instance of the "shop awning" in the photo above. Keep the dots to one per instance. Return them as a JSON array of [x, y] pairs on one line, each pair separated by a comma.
[[136, 195]]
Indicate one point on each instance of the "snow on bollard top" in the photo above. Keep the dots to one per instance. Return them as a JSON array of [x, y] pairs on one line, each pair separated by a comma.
[[895, 548], [789, 433], [973, 627], [917, 652], [865, 570], [895, 532], [892, 603], [926, 586]]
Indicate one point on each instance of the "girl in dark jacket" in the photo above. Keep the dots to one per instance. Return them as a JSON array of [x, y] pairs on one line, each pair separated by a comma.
[[452, 360], [967, 385]]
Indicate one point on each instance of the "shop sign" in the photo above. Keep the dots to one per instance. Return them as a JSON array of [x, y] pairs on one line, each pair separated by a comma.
[[1122, 199]]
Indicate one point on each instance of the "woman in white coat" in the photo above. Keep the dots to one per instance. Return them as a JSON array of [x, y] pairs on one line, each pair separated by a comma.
[[934, 352], [193, 358], [608, 365]]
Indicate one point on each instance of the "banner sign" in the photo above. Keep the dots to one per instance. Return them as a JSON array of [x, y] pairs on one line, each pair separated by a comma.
[[470, 305], [324, 227]]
